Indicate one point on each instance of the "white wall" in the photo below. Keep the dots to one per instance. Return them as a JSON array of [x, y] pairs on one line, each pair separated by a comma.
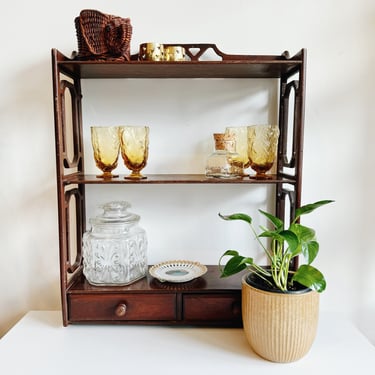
[[338, 148]]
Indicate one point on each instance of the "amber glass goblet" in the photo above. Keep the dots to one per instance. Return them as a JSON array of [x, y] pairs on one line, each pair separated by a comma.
[[106, 146], [262, 148], [134, 149]]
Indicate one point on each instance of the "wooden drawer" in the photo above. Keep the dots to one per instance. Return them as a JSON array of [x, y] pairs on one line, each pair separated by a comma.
[[124, 307], [212, 307]]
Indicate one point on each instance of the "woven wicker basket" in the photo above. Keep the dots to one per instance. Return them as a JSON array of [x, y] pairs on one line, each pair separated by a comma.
[[102, 36]]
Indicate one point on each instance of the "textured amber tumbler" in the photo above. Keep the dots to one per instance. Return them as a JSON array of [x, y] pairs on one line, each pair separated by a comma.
[[239, 133], [262, 148], [106, 146], [134, 149]]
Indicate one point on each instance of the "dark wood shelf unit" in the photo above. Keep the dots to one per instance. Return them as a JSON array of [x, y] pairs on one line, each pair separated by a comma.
[[215, 301]]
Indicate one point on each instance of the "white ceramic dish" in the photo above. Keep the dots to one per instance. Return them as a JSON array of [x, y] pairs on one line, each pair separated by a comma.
[[177, 271]]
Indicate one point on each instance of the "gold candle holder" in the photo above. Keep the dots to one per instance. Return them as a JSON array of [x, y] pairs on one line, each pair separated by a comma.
[[151, 51], [174, 53]]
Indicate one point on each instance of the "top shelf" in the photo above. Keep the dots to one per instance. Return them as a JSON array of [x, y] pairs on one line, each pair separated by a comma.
[[229, 66]]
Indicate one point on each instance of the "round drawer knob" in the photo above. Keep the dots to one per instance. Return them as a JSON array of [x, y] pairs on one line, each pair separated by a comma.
[[120, 310]]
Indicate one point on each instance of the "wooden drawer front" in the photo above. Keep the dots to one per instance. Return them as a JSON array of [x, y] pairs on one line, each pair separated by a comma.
[[122, 307], [213, 307]]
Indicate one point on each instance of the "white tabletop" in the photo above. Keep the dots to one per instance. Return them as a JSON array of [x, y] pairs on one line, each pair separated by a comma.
[[39, 344]]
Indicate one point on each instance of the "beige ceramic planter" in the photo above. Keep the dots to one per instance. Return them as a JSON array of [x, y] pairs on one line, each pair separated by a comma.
[[280, 327]]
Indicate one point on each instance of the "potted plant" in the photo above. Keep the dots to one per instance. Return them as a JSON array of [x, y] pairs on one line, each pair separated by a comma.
[[280, 302]]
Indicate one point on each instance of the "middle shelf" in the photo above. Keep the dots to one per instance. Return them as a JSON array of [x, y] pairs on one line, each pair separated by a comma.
[[79, 178]]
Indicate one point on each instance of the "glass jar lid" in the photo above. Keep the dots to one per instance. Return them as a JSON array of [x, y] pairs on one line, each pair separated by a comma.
[[115, 212]]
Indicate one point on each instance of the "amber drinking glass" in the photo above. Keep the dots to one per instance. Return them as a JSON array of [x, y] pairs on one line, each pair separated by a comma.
[[239, 134], [262, 151], [134, 149], [106, 146]]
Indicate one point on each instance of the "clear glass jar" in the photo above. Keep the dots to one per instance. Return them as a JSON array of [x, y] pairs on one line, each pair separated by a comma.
[[225, 162], [115, 247]]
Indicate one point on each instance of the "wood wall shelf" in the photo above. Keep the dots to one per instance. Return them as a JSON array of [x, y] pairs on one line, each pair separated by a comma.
[[211, 301]]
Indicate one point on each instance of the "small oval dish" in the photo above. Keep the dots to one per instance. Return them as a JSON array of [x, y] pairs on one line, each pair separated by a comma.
[[177, 271]]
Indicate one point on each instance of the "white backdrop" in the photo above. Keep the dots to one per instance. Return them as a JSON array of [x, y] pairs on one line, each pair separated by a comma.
[[182, 220]]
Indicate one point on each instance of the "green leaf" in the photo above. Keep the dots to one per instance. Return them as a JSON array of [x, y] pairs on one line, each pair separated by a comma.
[[237, 216], [284, 236], [278, 223], [235, 264], [303, 210], [292, 240], [309, 247], [310, 277], [310, 251], [305, 234], [271, 234], [231, 253]]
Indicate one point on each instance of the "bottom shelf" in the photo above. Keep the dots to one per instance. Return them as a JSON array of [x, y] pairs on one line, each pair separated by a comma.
[[205, 301]]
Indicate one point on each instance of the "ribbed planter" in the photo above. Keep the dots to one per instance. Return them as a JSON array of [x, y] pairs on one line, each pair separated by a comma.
[[280, 327]]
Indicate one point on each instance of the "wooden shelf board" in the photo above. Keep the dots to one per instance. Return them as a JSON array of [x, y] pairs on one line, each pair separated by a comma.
[[184, 69], [79, 178], [208, 283]]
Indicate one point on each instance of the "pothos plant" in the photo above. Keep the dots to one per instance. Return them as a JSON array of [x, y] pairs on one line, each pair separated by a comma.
[[284, 245]]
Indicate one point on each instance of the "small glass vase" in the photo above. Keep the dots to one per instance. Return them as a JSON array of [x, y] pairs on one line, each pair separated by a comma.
[[115, 248], [224, 162]]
